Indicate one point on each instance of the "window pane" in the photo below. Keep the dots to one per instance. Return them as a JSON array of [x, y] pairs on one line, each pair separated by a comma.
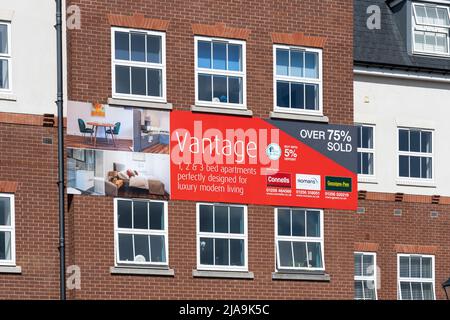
[[141, 248], [442, 17], [204, 54], [441, 43], [206, 218], [414, 169], [313, 224], [430, 41], [298, 223], [359, 128], [425, 142], [359, 290], [237, 220], [282, 62], [234, 57], [5, 211], [220, 89], [126, 247], [122, 45], [221, 252], [235, 90], [369, 290], [368, 265], [221, 219], [416, 288], [137, 47], [415, 267], [419, 39], [153, 49], [428, 293], [367, 137], [122, 79], [297, 95], [414, 142], [358, 264], [431, 15], [296, 63], [359, 162], [427, 268], [367, 163], [154, 86], [420, 14], [204, 87], [124, 212], [283, 94], [138, 82], [404, 166], [315, 255], [206, 251], [300, 256], [285, 253], [311, 65], [403, 140], [284, 222], [4, 74], [426, 164], [237, 253], [406, 290], [140, 214], [156, 215], [158, 248], [219, 55], [5, 245], [312, 96], [404, 267]]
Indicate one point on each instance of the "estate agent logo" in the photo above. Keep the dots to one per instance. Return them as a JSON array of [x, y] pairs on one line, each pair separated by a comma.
[[273, 151], [307, 182], [280, 180], [338, 184]]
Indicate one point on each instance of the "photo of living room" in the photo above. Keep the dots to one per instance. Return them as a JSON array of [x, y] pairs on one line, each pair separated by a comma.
[[151, 131], [118, 174], [97, 126]]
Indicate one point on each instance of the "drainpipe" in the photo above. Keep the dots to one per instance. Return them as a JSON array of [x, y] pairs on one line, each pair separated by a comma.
[[61, 186]]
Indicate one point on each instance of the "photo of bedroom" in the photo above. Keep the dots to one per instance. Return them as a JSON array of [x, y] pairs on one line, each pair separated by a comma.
[[118, 174], [97, 126], [151, 131]]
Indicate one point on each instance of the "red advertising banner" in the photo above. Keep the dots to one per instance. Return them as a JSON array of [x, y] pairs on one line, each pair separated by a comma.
[[230, 159]]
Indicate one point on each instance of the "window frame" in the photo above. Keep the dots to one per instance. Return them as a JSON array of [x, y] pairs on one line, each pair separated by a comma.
[[12, 229], [8, 57], [373, 278], [241, 74], [428, 28], [368, 150], [420, 280], [410, 180], [118, 230], [278, 267], [318, 81], [215, 235], [147, 65]]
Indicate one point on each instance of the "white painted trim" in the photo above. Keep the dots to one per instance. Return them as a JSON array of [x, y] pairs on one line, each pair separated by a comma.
[[148, 65], [12, 229], [8, 57], [368, 177], [242, 74], [6, 15], [421, 280], [373, 277], [118, 230], [222, 236], [290, 79], [398, 74], [299, 239]]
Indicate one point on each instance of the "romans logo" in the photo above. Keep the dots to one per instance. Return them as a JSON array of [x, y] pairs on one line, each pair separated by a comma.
[[307, 182]]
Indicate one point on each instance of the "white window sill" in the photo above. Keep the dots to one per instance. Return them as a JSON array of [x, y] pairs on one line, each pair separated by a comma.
[[367, 179], [142, 271], [222, 110], [223, 274], [11, 269], [139, 103], [416, 183], [301, 276], [7, 96], [298, 116]]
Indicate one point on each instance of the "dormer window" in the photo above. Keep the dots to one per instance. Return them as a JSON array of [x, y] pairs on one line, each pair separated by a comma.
[[431, 26]]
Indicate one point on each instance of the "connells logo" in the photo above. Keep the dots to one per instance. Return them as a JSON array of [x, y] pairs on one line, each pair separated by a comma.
[[280, 180], [307, 182]]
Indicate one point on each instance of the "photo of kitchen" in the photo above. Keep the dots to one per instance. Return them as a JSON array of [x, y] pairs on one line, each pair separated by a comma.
[[151, 131]]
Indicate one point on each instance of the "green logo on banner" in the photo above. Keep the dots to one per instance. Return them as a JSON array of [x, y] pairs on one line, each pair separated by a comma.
[[338, 184]]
